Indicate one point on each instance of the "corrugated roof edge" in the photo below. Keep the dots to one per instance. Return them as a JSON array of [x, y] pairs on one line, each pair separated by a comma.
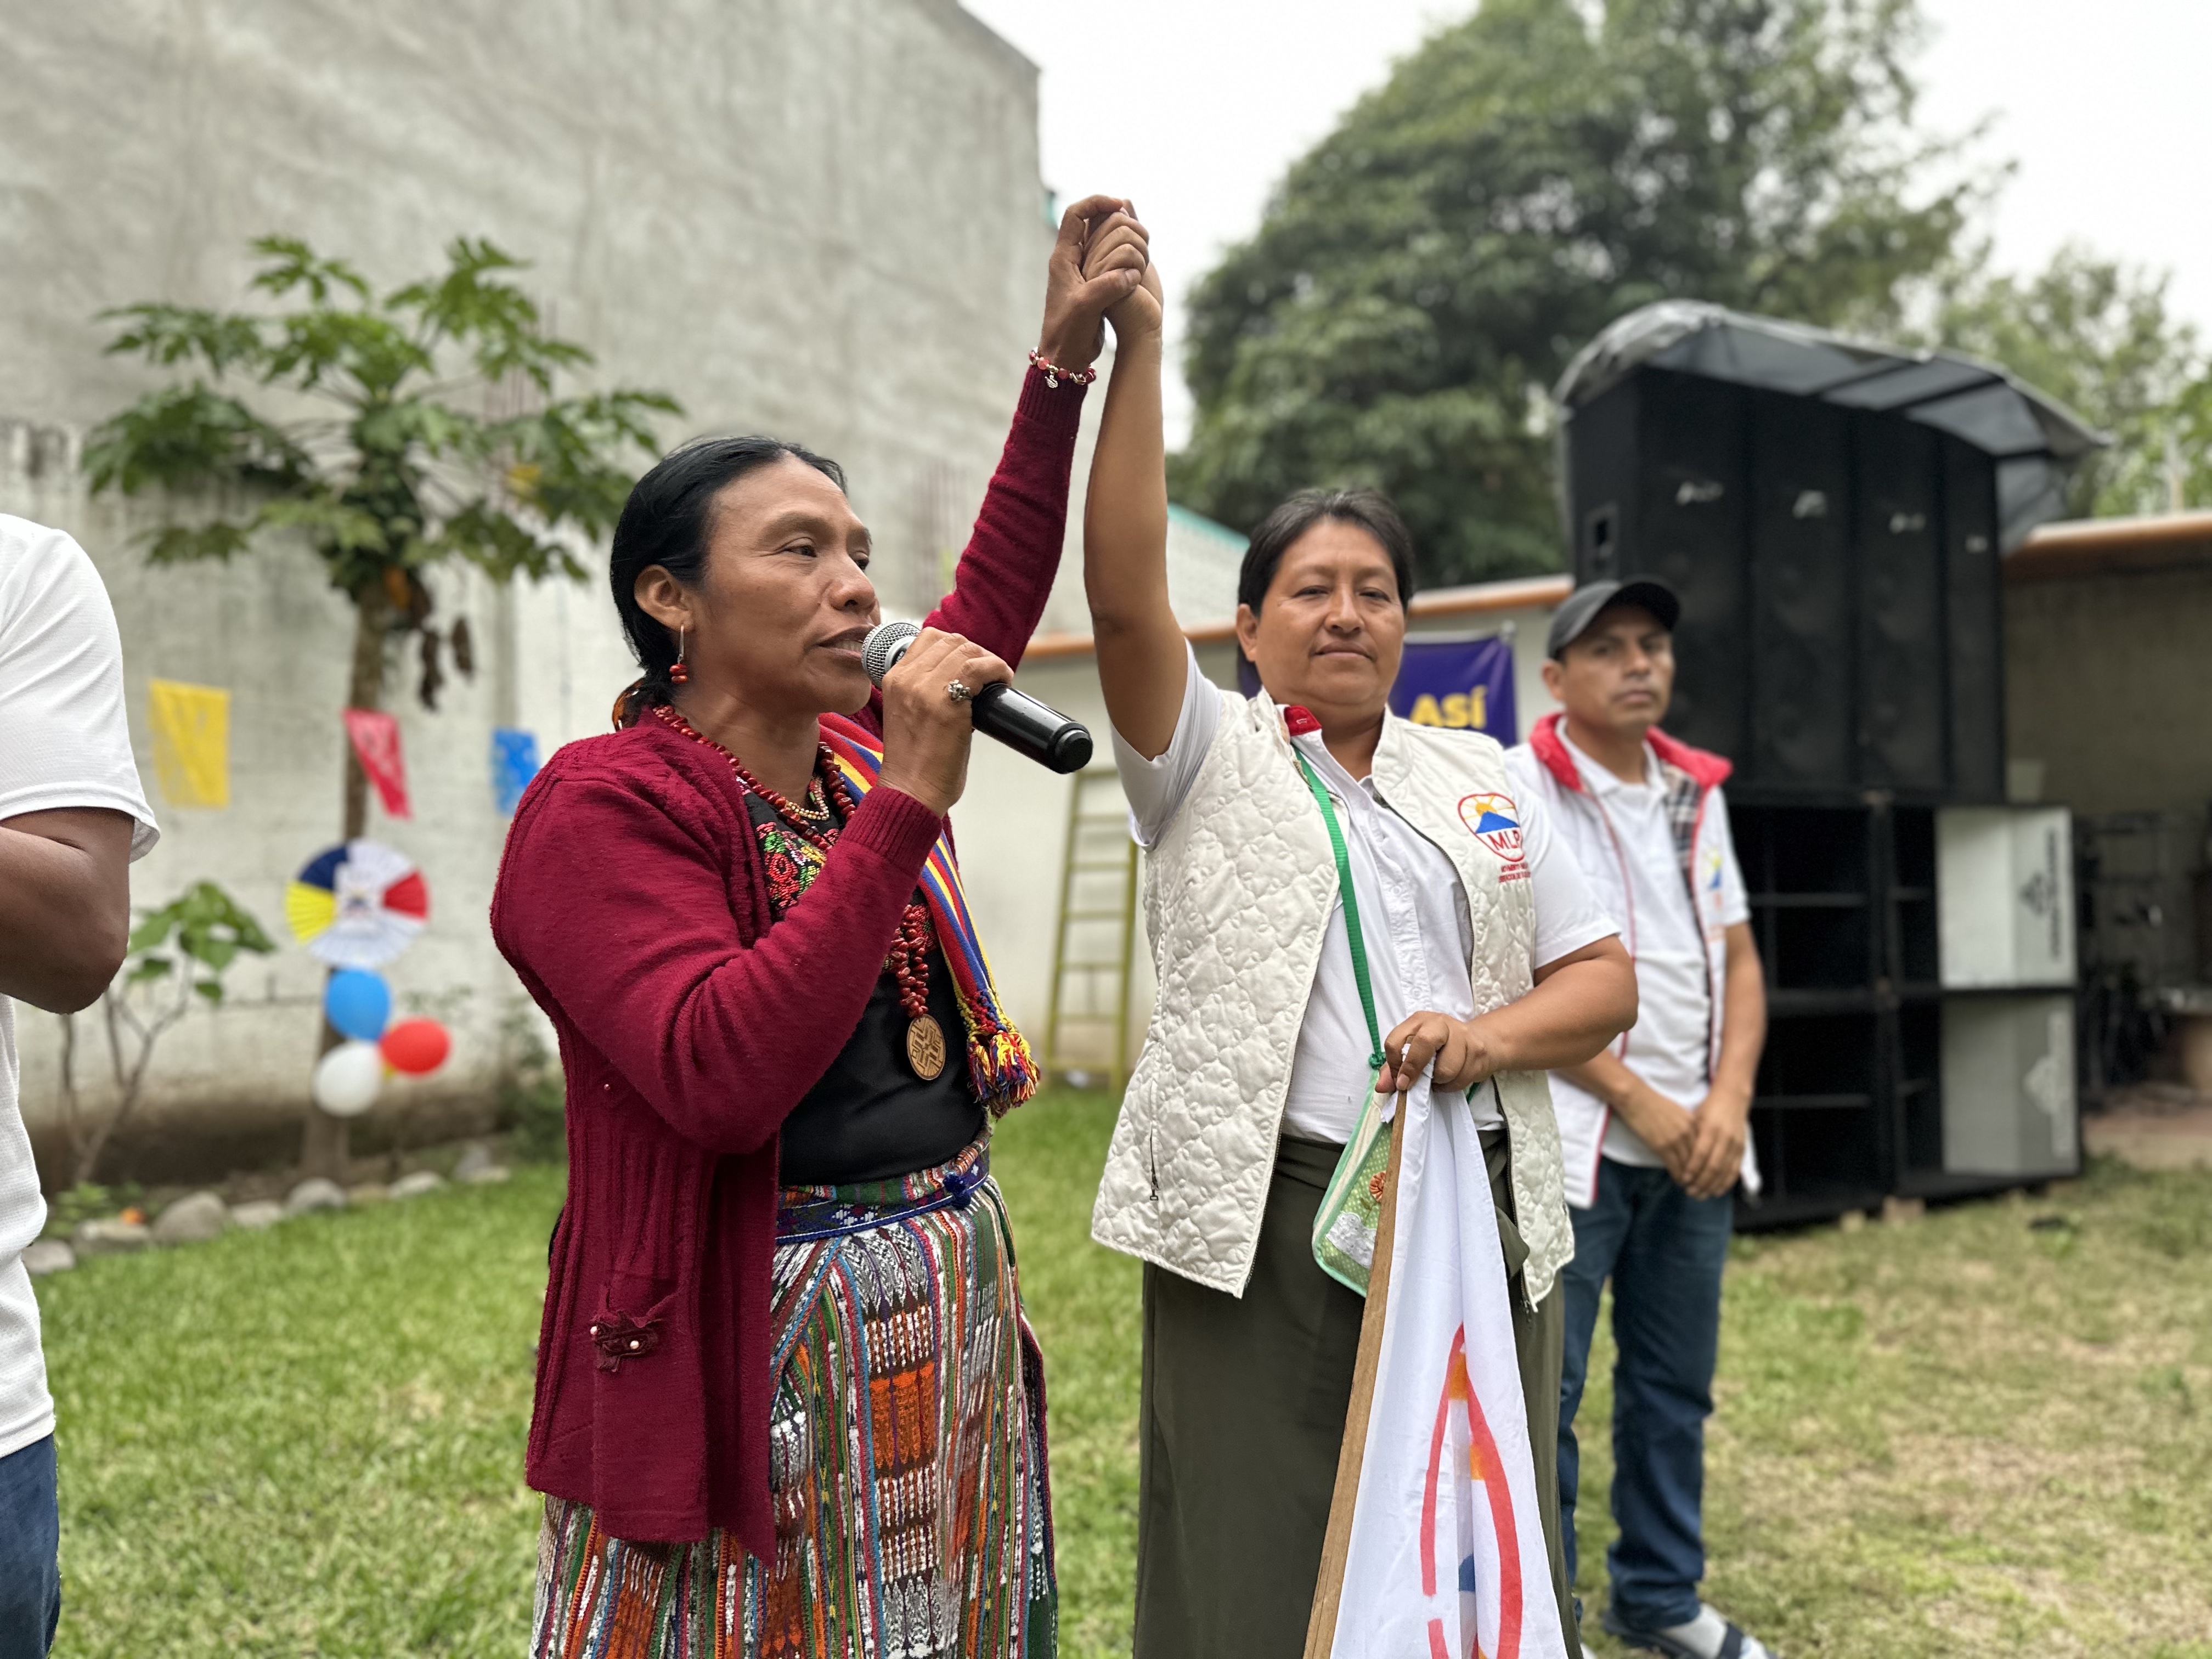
[[1207, 527], [2119, 546]]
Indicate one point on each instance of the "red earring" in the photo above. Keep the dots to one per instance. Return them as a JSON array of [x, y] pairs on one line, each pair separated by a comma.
[[677, 673]]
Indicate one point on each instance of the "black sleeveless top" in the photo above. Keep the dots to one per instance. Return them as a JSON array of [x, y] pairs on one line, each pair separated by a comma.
[[869, 1117]]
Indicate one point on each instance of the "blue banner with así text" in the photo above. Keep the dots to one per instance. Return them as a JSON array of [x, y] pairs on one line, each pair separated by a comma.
[[1466, 684]]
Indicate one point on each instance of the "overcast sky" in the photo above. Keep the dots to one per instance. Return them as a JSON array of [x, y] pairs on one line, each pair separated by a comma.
[[1194, 108]]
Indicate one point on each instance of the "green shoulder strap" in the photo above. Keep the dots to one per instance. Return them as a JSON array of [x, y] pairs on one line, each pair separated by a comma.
[[1352, 929], [1350, 1209]]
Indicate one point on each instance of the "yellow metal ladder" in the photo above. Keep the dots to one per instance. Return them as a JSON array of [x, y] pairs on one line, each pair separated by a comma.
[[1096, 938]]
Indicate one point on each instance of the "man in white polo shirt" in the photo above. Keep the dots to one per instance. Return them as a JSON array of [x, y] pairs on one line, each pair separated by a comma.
[[72, 816], [1654, 1130]]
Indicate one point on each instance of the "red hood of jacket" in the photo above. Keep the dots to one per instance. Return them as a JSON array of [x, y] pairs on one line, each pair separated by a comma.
[[1710, 770]]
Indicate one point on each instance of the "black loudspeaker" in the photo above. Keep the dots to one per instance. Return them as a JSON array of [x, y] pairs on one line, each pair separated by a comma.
[[1974, 608], [1804, 663], [1838, 569], [1689, 527], [1903, 700]]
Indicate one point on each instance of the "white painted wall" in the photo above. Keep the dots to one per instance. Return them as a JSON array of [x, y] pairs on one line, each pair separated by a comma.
[[822, 221]]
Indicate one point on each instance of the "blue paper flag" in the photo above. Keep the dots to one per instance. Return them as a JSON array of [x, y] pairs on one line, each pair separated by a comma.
[[514, 764]]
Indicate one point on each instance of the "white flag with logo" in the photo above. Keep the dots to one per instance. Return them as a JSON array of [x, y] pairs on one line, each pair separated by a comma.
[[1447, 1557]]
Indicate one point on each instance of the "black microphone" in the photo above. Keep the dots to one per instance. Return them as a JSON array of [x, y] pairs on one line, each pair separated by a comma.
[[1022, 723]]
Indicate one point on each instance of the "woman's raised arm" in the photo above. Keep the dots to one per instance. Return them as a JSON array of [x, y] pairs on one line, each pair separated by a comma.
[[1005, 576], [1141, 652]]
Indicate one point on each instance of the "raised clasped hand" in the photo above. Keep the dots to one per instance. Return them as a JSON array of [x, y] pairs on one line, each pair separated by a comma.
[[1121, 244], [927, 731], [1453, 1046], [1098, 260]]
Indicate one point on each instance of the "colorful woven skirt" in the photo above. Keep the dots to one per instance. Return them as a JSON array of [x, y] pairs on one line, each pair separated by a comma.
[[907, 1453]]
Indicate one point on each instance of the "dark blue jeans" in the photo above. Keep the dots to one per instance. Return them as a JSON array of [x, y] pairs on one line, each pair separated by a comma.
[[1664, 1251], [30, 1536]]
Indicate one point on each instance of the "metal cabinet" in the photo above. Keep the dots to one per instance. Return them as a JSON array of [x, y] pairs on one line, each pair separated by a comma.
[[2005, 921], [2008, 1099], [2004, 885]]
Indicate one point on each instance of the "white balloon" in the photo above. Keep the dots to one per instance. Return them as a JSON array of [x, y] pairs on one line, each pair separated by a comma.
[[349, 1078]]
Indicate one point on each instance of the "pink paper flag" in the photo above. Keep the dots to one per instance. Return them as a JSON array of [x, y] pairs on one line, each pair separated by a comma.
[[376, 743]]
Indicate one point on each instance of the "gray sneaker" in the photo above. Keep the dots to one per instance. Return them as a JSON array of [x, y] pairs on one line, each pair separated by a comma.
[[1709, 1635]]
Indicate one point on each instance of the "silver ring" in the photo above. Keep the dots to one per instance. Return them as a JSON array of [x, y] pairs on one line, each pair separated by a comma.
[[957, 691]]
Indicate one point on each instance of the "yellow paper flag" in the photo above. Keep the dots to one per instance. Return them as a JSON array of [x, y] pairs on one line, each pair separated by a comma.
[[192, 741]]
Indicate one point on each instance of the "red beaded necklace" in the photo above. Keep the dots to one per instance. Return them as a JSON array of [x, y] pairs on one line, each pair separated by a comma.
[[908, 960]]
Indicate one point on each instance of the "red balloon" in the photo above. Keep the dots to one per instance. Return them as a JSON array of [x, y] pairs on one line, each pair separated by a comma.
[[417, 1046]]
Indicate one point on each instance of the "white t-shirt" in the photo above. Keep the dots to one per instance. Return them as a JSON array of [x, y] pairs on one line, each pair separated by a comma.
[[1412, 914], [64, 742], [1668, 1045]]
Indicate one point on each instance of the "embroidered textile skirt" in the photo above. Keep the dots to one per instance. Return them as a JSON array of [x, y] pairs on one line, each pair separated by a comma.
[[907, 1450]]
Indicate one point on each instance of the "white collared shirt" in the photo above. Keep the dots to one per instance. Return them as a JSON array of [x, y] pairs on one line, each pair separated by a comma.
[[1668, 1045], [1412, 912]]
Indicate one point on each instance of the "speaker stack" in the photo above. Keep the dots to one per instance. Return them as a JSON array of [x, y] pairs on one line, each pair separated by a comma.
[[1830, 514]]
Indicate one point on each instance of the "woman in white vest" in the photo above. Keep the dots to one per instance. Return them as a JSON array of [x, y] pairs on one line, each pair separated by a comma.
[[1482, 955]]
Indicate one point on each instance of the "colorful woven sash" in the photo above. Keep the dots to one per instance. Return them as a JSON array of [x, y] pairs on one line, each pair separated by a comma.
[[999, 1068]]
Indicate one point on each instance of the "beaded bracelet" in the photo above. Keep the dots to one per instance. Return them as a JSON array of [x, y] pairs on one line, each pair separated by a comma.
[[1054, 373]]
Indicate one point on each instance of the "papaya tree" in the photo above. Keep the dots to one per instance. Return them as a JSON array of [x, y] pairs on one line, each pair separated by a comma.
[[391, 434]]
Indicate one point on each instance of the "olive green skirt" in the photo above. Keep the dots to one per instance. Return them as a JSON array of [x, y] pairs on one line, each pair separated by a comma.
[[1243, 1418]]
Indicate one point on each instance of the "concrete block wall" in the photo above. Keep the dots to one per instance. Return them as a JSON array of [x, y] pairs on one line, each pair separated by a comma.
[[823, 221], [2106, 688]]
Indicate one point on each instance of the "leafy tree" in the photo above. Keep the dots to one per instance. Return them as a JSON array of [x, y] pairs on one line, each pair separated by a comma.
[[2097, 335], [399, 469], [179, 955], [1423, 275], [382, 445]]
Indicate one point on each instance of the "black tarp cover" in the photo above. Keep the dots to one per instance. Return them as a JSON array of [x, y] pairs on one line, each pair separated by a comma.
[[2034, 440]]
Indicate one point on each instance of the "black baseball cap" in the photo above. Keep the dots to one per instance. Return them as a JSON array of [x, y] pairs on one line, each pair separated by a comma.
[[1572, 619]]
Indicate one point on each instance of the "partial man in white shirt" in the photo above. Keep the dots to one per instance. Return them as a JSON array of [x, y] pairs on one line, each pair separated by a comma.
[[72, 817], [1653, 1131]]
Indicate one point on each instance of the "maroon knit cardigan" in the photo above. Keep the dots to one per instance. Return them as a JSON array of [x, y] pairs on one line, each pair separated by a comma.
[[632, 901]]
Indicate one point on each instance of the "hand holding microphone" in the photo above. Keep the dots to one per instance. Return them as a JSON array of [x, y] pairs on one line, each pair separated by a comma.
[[1022, 723], [926, 729]]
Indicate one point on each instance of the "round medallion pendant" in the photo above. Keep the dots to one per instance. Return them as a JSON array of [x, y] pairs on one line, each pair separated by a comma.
[[924, 1048]]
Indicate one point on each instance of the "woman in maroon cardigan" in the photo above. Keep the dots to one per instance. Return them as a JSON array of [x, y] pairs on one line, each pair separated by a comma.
[[787, 1403]]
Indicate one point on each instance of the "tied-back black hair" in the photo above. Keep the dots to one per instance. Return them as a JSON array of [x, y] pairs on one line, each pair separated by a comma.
[[1370, 509], [668, 521]]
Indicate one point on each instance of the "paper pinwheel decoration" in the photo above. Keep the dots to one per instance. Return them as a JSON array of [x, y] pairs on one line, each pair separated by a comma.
[[358, 905]]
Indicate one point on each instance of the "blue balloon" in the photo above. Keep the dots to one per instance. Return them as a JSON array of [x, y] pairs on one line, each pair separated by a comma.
[[359, 1004]]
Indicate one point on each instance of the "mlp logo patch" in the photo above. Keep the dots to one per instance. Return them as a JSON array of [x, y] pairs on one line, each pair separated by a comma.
[[1495, 822]]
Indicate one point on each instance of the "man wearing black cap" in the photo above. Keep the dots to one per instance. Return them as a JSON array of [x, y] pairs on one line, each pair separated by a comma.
[[1653, 1130]]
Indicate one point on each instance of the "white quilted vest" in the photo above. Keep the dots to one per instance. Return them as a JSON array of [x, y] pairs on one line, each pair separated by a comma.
[[1237, 897]]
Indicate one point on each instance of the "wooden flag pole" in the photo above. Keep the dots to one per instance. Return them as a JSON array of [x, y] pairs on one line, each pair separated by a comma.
[[1336, 1544]]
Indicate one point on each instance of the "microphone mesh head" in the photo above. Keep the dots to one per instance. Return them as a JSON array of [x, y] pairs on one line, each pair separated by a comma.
[[886, 644]]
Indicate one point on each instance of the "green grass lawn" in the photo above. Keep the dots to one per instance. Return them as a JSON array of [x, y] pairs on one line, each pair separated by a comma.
[[1968, 1435]]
